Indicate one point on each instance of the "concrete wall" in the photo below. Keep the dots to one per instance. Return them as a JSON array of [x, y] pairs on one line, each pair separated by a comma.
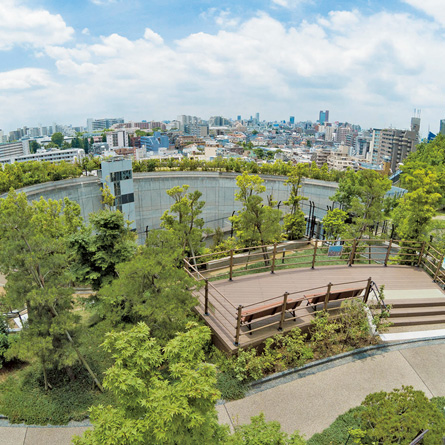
[[151, 199]]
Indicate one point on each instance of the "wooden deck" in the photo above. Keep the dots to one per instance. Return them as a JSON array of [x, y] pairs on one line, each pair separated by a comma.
[[225, 296]]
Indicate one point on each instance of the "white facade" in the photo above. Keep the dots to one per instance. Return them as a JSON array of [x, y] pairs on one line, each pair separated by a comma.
[[117, 139], [54, 155]]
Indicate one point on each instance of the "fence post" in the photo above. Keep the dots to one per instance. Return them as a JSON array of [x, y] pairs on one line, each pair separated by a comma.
[[421, 254], [326, 298], [369, 254], [231, 266], [352, 255], [388, 252], [206, 297], [272, 270], [238, 324], [368, 289], [438, 268], [283, 311], [284, 254], [315, 254]]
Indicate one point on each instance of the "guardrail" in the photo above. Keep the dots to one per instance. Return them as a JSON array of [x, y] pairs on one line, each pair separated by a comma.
[[232, 263]]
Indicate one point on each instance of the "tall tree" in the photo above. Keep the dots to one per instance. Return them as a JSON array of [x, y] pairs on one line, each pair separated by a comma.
[[256, 224], [334, 223], [33, 257], [57, 138], [97, 248], [163, 396], [417, 207], [183, 220], [152, 287], [294, 222], [362, 195]]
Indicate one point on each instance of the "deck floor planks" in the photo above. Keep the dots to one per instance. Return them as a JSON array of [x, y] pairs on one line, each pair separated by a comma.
[[256, 288]]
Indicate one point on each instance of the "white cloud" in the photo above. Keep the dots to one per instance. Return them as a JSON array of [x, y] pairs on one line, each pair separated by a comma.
[[367, 69], [86, 31], [20, 25], [433, 8], [103, 2], [153, 37], [223, 18], [24, 78], [290, 4]]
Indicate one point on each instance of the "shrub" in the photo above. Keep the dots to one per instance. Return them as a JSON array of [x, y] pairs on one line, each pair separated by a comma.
[[4, 340], [230, 387], [261, 432], [23, 399], [338, 432], [399, 416]]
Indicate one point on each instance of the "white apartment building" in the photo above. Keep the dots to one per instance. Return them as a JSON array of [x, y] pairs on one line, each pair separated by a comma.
[[117, 139], [54, 155]]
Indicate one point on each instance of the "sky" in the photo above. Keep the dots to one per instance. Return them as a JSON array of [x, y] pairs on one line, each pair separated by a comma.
[[369, 62]]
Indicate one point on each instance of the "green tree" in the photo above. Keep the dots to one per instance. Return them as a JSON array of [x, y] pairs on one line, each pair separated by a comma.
[[413, 215], [97, 248], [362, 195], [152, 287], [294, 222], [256, 224], [399, 416], [260, 432], [33, 146], [33, 257], [334, 223], [57, 138], [183, 220], [164, 396]]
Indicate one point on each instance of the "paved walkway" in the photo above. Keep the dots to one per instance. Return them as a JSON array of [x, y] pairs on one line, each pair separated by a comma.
[[309, 403]]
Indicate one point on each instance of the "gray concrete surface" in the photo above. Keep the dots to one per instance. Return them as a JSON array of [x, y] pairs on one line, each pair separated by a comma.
[[308, 404], [312, 403]]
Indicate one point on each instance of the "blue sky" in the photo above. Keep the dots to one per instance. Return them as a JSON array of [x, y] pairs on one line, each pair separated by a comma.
[[368, 62]]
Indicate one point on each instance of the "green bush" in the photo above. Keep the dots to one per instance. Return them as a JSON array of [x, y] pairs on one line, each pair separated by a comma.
[[338, 432], [230, 387], [399, 416], [4, 340], [260, 432], [23, 398], [440, 403]]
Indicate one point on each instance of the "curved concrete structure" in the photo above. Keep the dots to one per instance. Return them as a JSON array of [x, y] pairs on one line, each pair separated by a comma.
[[151, 199]]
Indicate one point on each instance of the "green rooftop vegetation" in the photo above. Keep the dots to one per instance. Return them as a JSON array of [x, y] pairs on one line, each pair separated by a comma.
[[134, 350]]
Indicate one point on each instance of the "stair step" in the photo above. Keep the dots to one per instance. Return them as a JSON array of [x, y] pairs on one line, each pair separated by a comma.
[[421, 302], [417, 321], [417, 311]]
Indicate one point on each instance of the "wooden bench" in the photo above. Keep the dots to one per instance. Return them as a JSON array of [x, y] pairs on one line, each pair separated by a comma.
[[334, 295], [268, 310]]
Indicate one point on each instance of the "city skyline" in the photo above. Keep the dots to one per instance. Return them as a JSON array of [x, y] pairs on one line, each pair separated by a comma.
[[368, 64]]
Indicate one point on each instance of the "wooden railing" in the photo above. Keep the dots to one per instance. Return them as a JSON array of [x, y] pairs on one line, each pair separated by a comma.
[[232, 263]]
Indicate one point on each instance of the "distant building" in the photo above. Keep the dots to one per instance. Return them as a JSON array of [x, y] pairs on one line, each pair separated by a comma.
[[13, 150], [155, 142], [117, 174], [292, 120], [117, 139], [102, 124], [392, 145], [323, 117], [53, 155], [442, 126]]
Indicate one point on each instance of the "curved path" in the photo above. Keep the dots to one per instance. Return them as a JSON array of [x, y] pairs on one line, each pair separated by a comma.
[[308, 400]]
